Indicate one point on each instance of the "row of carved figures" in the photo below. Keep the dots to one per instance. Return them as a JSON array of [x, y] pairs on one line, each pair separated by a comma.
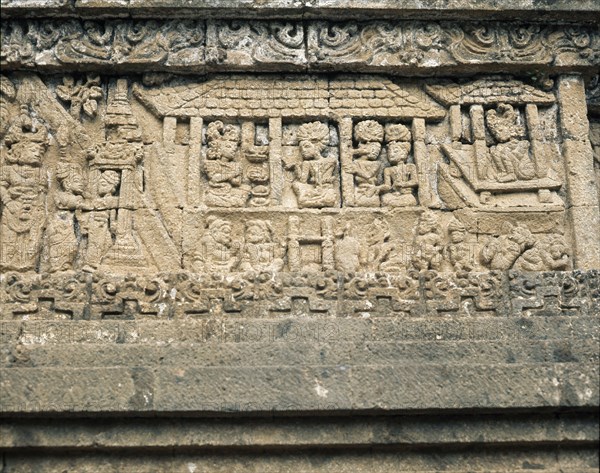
[[383, 167], [104, 220], [338, 247], [315, 172]]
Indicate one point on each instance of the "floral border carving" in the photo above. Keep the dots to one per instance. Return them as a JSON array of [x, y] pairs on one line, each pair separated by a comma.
[[267, 295], [199, 45]]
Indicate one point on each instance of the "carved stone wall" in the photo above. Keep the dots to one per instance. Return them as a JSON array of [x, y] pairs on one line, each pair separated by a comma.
[[299, 210]]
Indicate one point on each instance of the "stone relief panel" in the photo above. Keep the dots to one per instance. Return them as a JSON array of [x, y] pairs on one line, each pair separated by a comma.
[[262, 174], [501, 147]]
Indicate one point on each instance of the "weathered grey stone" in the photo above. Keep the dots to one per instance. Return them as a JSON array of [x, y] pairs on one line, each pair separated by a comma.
[[541, 459]]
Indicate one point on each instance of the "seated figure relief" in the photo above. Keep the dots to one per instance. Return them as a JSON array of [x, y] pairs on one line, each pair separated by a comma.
[[428, 243], [520, 249], [316, 176], [458, 252], [366, 166], [510, 159], [375, 183], [223, 168], [217, 252], [400, 179], [261, 251]]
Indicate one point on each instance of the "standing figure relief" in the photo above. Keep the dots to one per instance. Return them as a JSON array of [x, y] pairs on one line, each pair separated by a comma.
[[23, 188]]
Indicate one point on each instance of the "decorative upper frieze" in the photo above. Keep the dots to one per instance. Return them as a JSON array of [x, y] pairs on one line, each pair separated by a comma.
[[207, 45]]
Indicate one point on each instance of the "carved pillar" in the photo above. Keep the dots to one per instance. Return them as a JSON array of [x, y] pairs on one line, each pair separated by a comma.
[[346, 159], [193, 177], [535, 138], [579, 170], [421, 161], [293, 250], [478, 137], [455, 123], [169, 130], [275, 152]]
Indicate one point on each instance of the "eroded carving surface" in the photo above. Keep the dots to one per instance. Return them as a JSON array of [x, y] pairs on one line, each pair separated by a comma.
[[258, 174], [272, 294], [294, 45]]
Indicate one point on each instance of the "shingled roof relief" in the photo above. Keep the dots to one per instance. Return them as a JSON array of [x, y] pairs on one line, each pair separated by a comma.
[[373, 96], [488, 91]]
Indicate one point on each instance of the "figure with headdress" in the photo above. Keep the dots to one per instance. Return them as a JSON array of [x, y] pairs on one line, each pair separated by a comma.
[[217, 252], [22, 192], [69, 200], [366, 166], [510, 157], [223, 168], [400, 179], [261, 252], [101, 222], [316, 176], [428, 243], [458, 253]]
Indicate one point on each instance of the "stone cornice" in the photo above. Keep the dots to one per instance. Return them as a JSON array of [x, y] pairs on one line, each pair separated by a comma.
[[199, 46], [557, 10]]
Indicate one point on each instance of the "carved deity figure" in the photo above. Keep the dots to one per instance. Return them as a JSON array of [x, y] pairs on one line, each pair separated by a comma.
[[22, 192], [428, 243], [400, 178], [458, 253], [502, 252], [261, 252], [217, 252], [223, 168], [315, 177], [510, 157], [101, 223], [366, 166], [69, 200], [550, 253], [377, 248]]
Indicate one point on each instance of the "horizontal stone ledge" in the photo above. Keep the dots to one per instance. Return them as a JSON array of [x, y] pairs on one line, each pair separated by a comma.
[[582, 10], [200, 46], [197, 434], [219, 390], [226, 331], [305, 354], [541, 460]]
